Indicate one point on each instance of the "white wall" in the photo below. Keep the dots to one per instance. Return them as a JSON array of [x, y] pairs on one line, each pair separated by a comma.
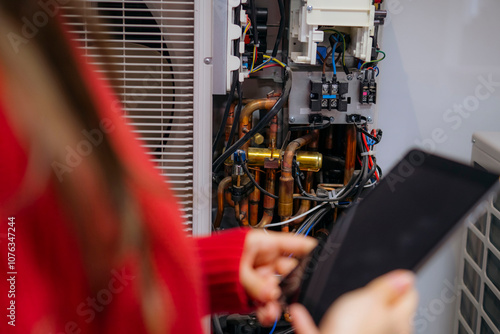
[[434, 92]]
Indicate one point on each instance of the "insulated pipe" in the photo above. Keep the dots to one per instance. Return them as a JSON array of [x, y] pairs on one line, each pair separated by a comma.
[[229, 200], [223, 185], [285, 202]]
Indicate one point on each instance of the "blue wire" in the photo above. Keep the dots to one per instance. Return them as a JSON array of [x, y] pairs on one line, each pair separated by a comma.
[[333, 59], [309, 229], [274, 327]]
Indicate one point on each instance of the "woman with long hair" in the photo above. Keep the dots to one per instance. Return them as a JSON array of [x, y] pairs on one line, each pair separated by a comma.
[[96, 234]]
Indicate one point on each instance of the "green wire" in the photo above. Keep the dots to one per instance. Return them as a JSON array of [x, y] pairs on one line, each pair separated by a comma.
[[374, 61]]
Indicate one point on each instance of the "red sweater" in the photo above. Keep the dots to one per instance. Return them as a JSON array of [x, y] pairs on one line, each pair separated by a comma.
[[50, 291]]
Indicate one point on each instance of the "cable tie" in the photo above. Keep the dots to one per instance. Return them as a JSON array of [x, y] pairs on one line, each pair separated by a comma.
[[332, 195], [371, 152]]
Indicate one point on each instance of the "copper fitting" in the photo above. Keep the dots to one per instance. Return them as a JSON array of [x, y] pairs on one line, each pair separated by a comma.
[[254, 201], [308, 161], [223, 185], [285, 206]]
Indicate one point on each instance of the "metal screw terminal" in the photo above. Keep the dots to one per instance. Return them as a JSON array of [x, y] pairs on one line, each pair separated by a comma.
[[350, 77], [369, 119], [309, 8], [207, 60], [291, 119]]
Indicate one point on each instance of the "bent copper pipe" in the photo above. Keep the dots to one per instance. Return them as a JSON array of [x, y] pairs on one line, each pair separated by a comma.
[[246, 114], [223, 185], [244, 127], [285, 202]]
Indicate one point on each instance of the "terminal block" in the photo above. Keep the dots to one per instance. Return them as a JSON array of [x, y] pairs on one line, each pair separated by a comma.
[[368, 89], [329, 95]]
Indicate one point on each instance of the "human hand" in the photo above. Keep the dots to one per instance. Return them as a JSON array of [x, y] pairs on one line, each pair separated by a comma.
[[384, 306], [264, 256]]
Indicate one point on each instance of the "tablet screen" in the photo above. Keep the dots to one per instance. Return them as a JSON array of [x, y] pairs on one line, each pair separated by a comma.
[[396, 226]]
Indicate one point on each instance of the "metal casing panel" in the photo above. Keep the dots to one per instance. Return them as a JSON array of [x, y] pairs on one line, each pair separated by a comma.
[[299, 100]]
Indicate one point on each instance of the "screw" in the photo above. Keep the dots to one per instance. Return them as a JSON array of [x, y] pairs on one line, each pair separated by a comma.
[[207, 60], [369, 119], [473, 141], [332, 119], [309, 8], [349, 77], [291, 119], [360, 77]]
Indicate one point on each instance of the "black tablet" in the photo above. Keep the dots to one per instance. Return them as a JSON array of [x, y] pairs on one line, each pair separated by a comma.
[[398, 225]]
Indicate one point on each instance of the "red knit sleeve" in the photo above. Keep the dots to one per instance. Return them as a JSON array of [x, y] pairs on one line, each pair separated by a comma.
[[220, 257]]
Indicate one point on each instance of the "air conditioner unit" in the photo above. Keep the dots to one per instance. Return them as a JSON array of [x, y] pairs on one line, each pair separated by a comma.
[[157, 49], [479, 284]]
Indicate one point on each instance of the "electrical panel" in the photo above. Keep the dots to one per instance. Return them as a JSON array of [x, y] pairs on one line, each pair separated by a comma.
[[294, 136]]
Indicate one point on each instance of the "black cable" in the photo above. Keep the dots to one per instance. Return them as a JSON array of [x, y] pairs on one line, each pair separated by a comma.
[[253, 18], [237, 115], [321, 126], [226, 112], [217, 326], [256, 184], [281, 28], [263, 122]]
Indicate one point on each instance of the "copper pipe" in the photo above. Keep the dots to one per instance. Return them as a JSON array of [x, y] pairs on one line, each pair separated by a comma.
[[269, 202], [229, 122], [329, 139], [254, 201], [220, 199], [245, 126], [246, 115], [285, 206], [350, 153], [243, 214], [305, 204]]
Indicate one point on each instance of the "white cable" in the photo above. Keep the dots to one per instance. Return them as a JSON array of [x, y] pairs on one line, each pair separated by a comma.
[[295, 218]]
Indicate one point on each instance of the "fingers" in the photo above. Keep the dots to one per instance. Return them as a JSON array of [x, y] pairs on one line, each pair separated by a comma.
[[296, 245], [284, 265], [268, 313], [262, 288], [302, 321], [390, 287], [404, 311]]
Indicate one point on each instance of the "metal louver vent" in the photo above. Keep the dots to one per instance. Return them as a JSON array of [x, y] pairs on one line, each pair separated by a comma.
[[152, 45]]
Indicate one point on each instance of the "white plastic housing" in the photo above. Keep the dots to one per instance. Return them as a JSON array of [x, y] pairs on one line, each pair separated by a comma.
[[358, 15]]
